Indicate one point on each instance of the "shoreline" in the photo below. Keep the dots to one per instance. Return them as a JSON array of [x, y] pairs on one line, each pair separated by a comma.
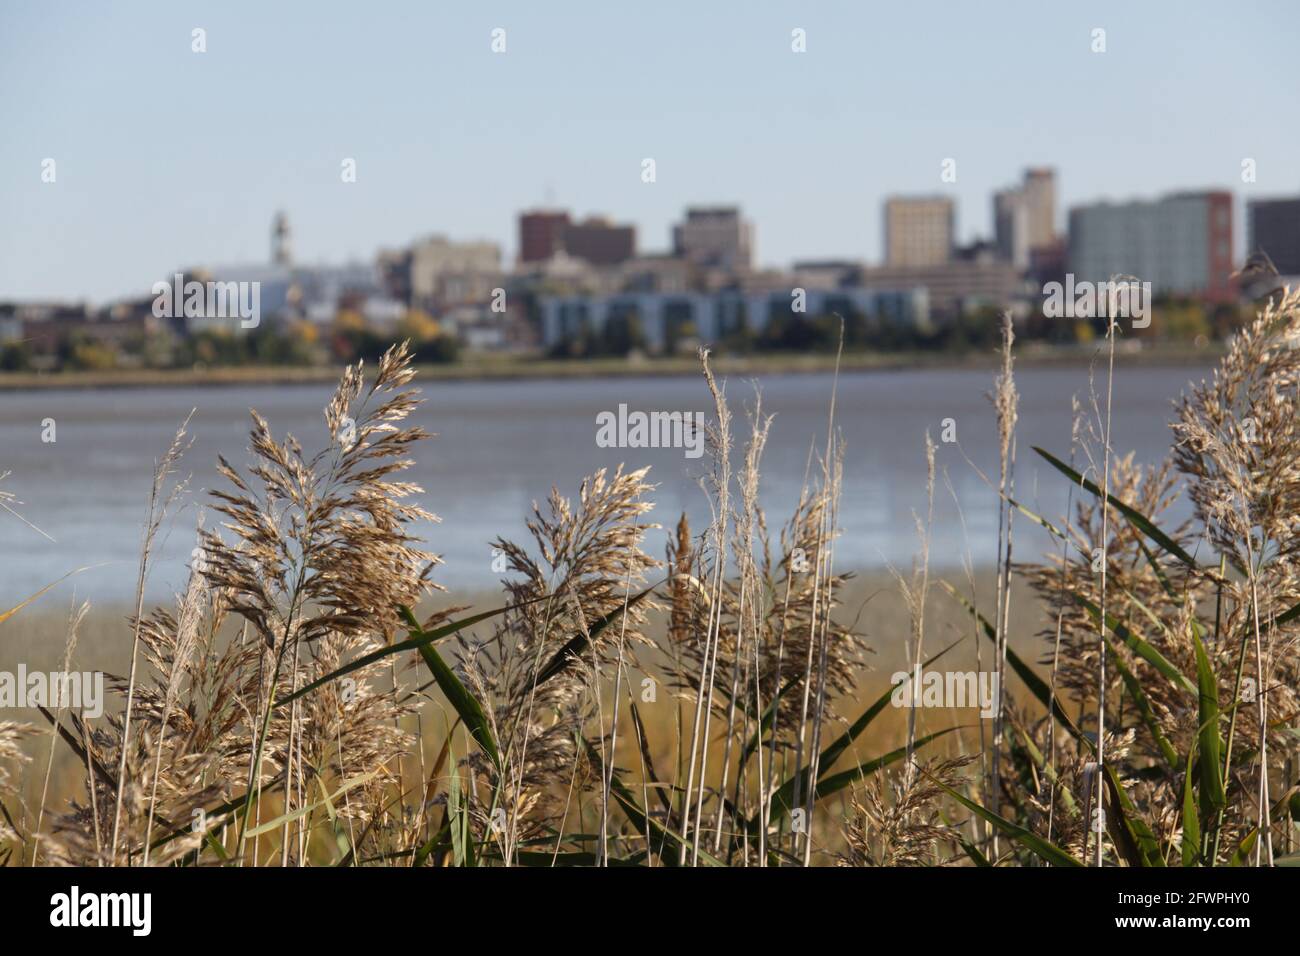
[[525, 369]]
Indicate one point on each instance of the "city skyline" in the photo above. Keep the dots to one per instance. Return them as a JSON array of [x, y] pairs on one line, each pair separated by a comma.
[[274, 254], [450, 138], [582, 435]]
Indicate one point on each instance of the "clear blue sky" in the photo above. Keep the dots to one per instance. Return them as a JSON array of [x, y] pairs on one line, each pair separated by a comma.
[[167, 158]]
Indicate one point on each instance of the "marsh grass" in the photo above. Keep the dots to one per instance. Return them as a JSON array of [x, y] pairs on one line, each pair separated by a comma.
[[312, 699]]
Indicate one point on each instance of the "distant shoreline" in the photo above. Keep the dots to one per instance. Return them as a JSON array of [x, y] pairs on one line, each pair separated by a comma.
[[518, 369]]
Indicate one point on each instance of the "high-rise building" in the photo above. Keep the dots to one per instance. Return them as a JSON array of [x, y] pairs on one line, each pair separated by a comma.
[[541, 234], [919, 231], [1181, 244], [715, 236], [1039, 190], [1011, 227], [1273, 227], [598, 241], [1024, 217]]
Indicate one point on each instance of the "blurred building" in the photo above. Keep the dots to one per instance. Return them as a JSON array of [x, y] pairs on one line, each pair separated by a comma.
[[444, 273], [1039, 191], [315, 293], [977, 280], [1181, 244], [598, 241], [919, 231], [541, 234], [663, 319], [40, 324], [318, 293], [654, 273], [1024, 217], [826, 273], [43, 329], [978, 250], [547, 233], [715, 236], [1273, 227], [1011, 226], [1047, 263], [287, 290]]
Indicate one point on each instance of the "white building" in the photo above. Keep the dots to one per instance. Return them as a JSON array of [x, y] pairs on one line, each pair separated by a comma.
[[1181, 244], [451, 273]]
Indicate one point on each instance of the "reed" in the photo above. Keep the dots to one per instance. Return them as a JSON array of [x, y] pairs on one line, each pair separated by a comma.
[[710, 708]]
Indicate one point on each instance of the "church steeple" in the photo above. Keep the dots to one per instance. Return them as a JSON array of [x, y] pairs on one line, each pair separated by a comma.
[[281, 240]]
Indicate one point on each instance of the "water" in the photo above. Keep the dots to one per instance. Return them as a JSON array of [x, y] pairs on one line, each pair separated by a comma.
[[501, 445]]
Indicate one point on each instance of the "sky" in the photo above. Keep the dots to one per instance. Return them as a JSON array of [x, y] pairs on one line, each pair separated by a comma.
[[167, 158]]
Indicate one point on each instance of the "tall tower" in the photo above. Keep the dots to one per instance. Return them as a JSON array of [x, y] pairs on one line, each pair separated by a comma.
[[281, 240], [1040, 206]]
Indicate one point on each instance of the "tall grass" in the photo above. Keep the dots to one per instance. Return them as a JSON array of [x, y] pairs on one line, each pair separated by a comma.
[[706, 709]]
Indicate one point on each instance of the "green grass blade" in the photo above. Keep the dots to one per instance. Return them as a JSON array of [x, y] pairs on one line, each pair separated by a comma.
[[978, 858], [842, 743], [1212, 795], [1046, 769], [1043, 849], [1128, 828], [578, 643], [784, 795], [1037, 686], [1242, 854], [350, 784], [454, 821], [756, 738], [461, 700], [837, 782], [641, 822], [1145, 712], [1139, 520], [1157, 569], [1137, 645], [1191, 821], [421, 639]]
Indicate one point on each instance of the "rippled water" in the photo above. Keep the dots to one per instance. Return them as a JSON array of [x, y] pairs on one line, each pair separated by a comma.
[[501, 445]]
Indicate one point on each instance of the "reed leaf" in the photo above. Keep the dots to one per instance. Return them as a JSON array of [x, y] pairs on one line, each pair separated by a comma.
[[1135, 517], [1043, 849]]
